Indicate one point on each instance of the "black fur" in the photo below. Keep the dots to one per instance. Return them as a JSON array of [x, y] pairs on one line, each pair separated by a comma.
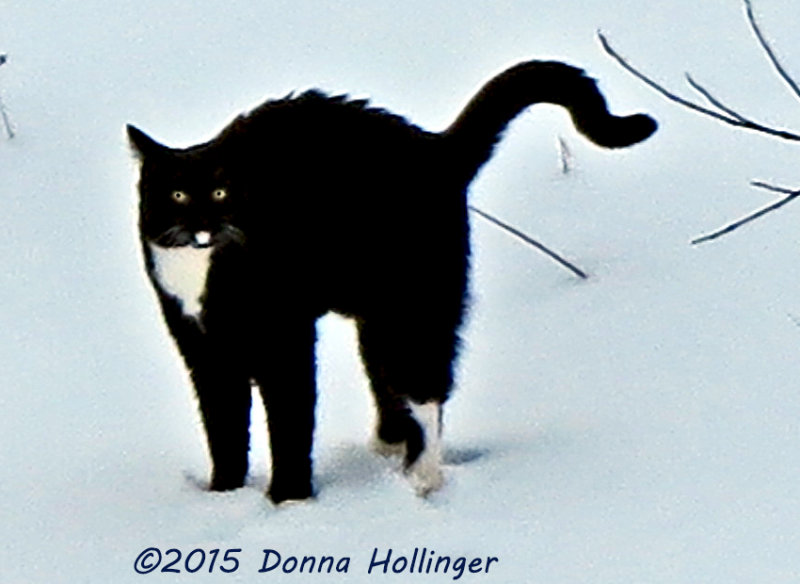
[[333, 205]]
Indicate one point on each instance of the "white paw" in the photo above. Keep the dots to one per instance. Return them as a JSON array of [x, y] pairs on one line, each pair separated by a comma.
[[426, 474], [289, 503]]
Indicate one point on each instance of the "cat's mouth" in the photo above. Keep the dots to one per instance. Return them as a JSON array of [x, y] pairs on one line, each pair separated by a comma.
[[202, 239]]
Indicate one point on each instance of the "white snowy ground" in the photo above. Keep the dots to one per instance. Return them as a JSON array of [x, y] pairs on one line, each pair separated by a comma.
[[638, 427]]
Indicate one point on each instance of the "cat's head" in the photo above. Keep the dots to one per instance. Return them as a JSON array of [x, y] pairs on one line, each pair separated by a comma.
[[186, 198]]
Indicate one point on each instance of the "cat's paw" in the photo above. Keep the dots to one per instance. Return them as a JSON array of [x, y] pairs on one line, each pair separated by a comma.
[[289, 503], [387, 449], [280, 493], [426, 475], [221, 483]]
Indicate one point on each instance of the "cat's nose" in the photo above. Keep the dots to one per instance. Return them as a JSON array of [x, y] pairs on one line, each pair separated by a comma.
[[202, 239]]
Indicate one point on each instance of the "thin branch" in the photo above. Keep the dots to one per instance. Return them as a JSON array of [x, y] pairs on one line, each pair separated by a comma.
[[791, 195], [660, 89], [733, 120], [773, 188], [768, 50], [715, 101], [530, 241], [728, 116]]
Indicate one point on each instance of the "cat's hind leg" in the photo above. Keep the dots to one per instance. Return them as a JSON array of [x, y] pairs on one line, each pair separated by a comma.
[[396, 428], [411, 375]]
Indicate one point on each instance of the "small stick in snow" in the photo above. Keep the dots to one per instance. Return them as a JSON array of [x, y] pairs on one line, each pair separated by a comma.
[[6, 121], [565, 155], [530, 241], [3, 112], [791, 195]]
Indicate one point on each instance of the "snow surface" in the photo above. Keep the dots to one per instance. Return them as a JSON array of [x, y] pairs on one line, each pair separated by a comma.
[[641, 426]]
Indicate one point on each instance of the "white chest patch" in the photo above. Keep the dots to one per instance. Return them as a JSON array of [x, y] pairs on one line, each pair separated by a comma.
[[181, 272]]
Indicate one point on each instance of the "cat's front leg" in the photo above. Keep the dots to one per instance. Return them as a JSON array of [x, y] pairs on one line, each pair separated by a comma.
[[224, 397], [287, 382]]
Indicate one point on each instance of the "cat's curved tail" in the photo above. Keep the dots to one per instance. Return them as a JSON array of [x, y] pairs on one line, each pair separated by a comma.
[[480, 125]]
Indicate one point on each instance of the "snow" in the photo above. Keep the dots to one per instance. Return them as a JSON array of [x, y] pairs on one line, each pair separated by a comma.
[[641, 426]]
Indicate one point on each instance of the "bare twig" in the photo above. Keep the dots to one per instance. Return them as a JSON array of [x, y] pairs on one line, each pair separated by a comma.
[[530, 241], [732, 119], [768, 50], [715, 101], [653, 85], [773, 188], [791, 195]]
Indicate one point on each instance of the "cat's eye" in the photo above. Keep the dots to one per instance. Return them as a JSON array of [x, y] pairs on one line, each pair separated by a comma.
[[180, 197], [219, 194]]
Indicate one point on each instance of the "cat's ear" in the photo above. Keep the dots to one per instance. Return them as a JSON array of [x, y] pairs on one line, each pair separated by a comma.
[[142, 144]]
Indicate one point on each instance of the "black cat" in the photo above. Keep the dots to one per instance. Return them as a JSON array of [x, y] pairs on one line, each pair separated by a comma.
[[312, 204]]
